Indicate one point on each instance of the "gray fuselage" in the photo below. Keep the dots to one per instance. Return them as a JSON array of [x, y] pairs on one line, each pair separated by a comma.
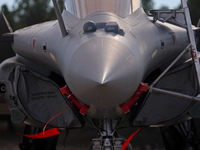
[[103, 69]]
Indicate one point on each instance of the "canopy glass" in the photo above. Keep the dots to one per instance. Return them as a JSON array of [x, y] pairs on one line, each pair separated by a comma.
[[83, 8]]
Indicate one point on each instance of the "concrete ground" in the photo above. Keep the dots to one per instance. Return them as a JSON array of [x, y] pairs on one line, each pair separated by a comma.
[[79, 139]]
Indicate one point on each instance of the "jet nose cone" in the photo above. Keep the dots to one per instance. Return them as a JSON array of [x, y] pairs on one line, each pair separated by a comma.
[[102, 73]]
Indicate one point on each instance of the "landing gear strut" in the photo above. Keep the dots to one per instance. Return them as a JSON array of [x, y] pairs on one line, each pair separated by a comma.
[[108, 140], [181, 136]]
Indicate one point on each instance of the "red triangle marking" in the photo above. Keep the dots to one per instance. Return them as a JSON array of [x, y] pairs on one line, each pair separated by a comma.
[[34, 41]]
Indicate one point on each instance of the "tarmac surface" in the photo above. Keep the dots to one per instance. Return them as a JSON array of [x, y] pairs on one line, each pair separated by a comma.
[[80, 139]]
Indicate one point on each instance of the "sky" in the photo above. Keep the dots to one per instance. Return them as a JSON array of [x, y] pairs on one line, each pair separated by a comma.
[[170, 3], [158, 3]]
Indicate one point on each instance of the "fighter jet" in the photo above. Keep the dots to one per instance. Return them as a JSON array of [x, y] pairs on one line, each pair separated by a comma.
[[107, 65]]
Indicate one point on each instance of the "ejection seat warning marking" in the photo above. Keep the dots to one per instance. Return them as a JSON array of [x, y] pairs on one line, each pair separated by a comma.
[[44, 95], [194, 54]]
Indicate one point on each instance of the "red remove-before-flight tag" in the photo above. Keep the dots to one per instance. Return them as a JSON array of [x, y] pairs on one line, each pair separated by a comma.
[[129, 139], [48, 133], [45, 134]]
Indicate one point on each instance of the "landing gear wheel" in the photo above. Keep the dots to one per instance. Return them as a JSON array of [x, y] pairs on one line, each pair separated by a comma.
[[129, 147]]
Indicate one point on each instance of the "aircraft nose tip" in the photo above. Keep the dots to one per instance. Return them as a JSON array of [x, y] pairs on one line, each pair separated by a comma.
[[102, 73]]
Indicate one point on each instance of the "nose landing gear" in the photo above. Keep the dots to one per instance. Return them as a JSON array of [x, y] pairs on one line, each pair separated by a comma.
[[107, 143], [108, 140]]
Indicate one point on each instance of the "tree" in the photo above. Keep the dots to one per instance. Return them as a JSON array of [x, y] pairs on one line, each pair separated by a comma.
[[164, 7], [9, 15], [29, 12], [147, 4], [194, 10]]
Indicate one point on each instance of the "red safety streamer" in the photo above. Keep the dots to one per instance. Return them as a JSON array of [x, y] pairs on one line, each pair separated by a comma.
[[129, 139], [54, 118], [48, 133]]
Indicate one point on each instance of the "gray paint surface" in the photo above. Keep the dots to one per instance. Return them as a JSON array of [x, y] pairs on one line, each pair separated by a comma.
[[102, 69]]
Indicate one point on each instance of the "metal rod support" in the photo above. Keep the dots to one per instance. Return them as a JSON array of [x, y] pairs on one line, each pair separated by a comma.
[[60, 18], [174, 94], [171, 65], [192, 39]]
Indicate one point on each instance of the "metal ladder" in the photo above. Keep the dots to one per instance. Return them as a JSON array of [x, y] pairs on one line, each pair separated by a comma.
[[182, 19], [192, 39]]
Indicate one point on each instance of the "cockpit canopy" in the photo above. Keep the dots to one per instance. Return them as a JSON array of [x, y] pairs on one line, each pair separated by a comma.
[[83, 8]]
